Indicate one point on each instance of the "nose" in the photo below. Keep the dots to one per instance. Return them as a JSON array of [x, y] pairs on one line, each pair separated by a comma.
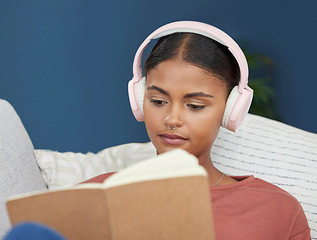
[[173, 118]]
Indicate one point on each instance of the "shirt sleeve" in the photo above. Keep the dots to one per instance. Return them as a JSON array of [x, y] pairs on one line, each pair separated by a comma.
[[300, 230]]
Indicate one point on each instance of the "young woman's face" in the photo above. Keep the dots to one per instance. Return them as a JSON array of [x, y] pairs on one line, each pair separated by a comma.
[[183, 107]]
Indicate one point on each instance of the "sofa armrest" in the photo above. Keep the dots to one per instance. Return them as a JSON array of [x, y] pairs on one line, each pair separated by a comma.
[[19, 171]]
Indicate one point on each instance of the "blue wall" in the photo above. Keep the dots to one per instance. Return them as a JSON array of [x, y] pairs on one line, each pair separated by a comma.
[[65, 64]]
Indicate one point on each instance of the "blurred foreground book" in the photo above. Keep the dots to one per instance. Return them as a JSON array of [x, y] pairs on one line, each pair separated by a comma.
[[165, 197]]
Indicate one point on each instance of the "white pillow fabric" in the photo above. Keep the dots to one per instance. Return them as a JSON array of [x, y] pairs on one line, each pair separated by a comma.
[[66, 169], [278, 153]]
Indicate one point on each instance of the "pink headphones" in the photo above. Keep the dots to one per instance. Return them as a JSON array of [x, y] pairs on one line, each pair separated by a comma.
[[240, 98]]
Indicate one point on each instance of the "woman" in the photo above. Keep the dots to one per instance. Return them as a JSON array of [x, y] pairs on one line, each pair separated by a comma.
[[193, 85], [191, 82]]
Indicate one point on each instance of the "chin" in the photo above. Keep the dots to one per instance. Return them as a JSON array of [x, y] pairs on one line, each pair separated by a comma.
[[163, 149]]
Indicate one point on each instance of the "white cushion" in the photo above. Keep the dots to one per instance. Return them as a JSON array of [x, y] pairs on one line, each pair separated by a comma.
[[281, 154], [66, 169]]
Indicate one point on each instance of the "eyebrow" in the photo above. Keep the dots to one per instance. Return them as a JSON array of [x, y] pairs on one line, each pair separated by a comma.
[[198, 94], [189, 95], [158, 89]]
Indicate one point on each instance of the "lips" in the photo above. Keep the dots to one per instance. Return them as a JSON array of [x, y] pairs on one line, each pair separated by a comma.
[[172, 139]]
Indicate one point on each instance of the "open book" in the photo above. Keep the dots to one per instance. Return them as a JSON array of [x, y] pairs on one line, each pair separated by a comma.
[[165, 197]]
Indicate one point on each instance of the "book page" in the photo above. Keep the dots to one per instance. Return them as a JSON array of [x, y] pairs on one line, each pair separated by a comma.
[[176, 163]]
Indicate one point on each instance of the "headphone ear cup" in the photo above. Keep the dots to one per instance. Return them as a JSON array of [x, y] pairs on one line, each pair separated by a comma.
[[141, 86], [237, 107], [232, 98], [136, 90]]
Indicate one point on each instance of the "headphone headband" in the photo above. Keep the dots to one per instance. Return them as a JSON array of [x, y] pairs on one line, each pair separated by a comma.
[[198, 28]]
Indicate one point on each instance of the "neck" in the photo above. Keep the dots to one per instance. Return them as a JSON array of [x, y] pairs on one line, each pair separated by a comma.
[[214, 175]]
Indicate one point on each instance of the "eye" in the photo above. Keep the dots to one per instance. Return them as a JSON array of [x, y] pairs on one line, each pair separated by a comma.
[[195, 107], [158, 102]]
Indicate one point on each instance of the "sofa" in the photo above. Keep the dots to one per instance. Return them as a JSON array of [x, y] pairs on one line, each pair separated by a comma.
[[278, 153]]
